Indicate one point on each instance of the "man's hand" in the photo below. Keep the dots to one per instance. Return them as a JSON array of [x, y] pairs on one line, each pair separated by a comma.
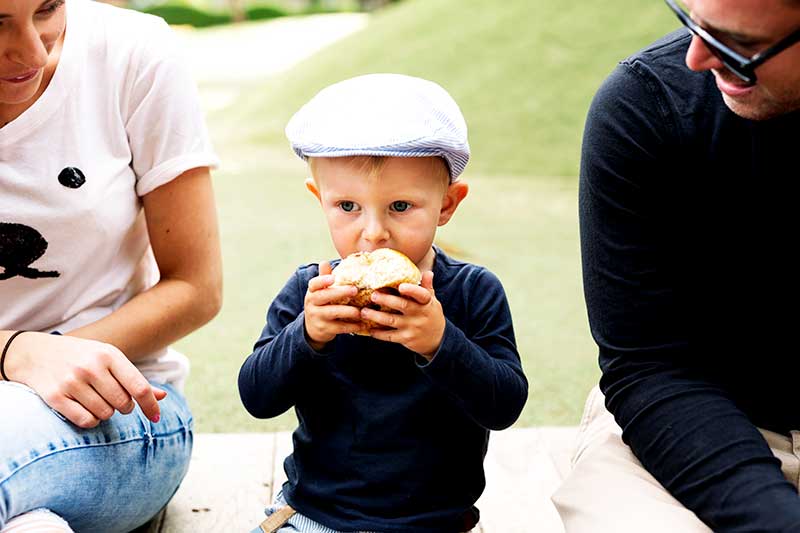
[[324, 320], [419, 322], [84, 380]]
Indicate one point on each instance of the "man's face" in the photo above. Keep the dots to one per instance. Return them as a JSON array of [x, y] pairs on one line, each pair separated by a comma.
[[750, 27]]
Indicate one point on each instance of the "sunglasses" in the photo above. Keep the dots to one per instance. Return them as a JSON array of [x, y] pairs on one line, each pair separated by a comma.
[[743, 67]]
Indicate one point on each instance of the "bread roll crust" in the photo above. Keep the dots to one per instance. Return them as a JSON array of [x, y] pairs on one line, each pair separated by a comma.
[[383, 269]]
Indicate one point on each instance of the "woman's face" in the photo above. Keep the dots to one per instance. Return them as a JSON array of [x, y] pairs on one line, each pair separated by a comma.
[[29, 32]]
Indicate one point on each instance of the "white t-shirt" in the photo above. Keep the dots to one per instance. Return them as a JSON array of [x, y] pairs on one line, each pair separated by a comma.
[[120, 117]]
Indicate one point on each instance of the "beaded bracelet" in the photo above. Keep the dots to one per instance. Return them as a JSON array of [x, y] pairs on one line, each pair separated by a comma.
[[5, 350]]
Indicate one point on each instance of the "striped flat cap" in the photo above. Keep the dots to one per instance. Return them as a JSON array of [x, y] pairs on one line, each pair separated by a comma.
[[382, 115]]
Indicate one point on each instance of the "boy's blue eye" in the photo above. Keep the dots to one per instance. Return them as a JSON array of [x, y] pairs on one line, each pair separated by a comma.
[[347, 206], [400, 206]]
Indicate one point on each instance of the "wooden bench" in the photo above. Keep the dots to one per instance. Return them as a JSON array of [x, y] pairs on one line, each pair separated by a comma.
[[232, 477]]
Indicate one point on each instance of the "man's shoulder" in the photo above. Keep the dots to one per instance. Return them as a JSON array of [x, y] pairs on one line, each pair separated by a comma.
[[665, 95], [663, 61], [669, 49]]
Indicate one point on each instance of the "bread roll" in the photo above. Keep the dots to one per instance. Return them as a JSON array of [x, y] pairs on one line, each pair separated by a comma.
[[383, 269]]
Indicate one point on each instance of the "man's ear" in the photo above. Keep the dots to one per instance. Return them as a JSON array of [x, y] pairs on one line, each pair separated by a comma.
[[311, 185], [456, 192]]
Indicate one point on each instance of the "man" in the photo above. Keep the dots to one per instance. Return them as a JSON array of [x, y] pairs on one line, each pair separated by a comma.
[[687, 202]]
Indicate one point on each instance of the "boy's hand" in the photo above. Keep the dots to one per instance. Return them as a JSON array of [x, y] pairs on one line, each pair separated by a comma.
[[419, 326], [324, 320]]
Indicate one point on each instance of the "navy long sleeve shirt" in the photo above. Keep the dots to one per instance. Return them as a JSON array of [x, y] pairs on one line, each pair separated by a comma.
[[386, 440], [688, 225]]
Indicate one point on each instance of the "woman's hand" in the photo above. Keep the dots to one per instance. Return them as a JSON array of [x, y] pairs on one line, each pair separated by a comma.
[[323, 320], [84, 380], [418, 320]]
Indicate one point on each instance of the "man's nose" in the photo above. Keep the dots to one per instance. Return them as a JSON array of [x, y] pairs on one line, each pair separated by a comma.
[[699, 57], [28, 48]]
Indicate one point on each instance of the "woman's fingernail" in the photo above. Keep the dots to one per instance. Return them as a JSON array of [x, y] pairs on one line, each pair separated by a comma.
[[156, 418]]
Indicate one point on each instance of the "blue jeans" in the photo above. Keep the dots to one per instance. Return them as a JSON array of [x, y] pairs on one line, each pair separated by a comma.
[[108, 479]]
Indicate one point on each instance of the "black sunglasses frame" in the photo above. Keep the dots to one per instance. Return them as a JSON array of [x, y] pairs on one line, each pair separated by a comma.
[[743, 67]]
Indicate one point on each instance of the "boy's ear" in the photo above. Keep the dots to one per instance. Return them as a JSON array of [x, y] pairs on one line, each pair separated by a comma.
[[311, 185], [456, 192]]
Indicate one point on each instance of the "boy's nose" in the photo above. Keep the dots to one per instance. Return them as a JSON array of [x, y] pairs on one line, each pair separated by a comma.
[[375, 232]]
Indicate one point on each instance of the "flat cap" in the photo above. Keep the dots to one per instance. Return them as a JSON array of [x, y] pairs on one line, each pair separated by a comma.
[[382, 115]]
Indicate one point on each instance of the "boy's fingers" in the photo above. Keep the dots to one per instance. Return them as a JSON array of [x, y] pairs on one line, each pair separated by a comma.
[[350, 327], [388, 335], [390, 320], [398, 303], [427, 280], [419, 294], [325, 268], [327, 295], [320, 282], [339, 312]]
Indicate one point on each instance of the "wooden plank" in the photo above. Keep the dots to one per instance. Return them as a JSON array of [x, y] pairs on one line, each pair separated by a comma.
[[521, 474], [283, 447], [227, 486], [233, 476]]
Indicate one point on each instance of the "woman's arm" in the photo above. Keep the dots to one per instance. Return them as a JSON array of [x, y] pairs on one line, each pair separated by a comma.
[[182, 224], [87, 375]]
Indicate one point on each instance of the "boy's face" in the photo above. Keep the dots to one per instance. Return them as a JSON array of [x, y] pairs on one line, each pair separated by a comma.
[[398, 207]]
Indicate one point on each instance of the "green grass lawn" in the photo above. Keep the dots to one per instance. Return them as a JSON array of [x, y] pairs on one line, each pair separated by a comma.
[[524, 72]]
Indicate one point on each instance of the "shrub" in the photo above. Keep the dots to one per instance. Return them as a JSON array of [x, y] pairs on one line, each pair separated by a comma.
[[192, 16], [183, 14], [263, 12]]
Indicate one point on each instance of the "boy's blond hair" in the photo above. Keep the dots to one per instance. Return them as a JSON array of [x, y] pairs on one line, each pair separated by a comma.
[[373, 164]]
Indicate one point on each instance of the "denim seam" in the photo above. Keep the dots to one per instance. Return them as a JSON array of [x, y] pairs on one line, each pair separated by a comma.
[[147, 436]]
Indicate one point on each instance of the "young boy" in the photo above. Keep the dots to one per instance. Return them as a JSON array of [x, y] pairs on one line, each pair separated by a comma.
[[394, 426]]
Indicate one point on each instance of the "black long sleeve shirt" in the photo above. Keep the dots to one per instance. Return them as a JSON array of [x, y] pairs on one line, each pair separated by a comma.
[[387, 441], [688, 225]]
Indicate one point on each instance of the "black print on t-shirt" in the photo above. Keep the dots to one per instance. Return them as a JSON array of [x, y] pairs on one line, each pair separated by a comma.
[[71, 177], [21, 245]]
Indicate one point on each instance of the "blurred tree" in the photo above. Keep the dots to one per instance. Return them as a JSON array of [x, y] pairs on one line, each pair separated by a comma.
[[237, 10]]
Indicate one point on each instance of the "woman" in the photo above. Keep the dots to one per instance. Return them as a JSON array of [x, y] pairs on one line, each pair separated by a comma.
[[108, 253]]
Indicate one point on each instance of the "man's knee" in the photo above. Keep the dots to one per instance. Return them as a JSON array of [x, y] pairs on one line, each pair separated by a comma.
[[609, 490]]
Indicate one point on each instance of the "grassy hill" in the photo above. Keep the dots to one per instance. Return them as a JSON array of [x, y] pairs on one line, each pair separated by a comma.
[[524, 72]]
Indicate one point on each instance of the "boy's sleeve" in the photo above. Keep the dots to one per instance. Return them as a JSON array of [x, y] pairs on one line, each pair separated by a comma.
[[479, 366], [271, 375]]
